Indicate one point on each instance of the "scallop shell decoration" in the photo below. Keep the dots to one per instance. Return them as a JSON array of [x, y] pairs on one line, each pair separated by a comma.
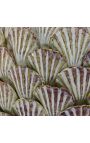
[[22, 43], [24, 81], [77, 81], [7, 97], [23, 107], [44, 34], [6, 62], [44, 71], [77, 111], [73, 44], [47, 63], [54, 100]]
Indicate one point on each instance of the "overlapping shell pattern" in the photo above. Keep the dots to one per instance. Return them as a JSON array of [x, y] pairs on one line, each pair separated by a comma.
[[44, 71]]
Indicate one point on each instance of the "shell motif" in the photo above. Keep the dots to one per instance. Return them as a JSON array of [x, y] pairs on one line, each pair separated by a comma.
[[77, 111], [22, 43], [73, 44], [6, 62], [44, 34], [7, 97], [24, 107], [53, 99], [47, 63], [44, 71], [24, 81], [77, 81]]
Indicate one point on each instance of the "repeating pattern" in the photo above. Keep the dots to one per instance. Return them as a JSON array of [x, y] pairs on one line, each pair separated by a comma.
[[24, 80], [47, 63], [6, 62], [77, 81], [22, 43], [77, 111], [7, 97], [44, 34], [23, 107], [73, 44], [53, 99], [45, 71]]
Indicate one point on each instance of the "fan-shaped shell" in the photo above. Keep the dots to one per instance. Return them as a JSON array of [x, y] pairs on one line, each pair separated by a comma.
[[6, 62], [73, 44], [47, 63], [53, 99], [76, 80], [44, 34], [23, 107], [7, 97], [24, 81], [77, 111], [22, 43]]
